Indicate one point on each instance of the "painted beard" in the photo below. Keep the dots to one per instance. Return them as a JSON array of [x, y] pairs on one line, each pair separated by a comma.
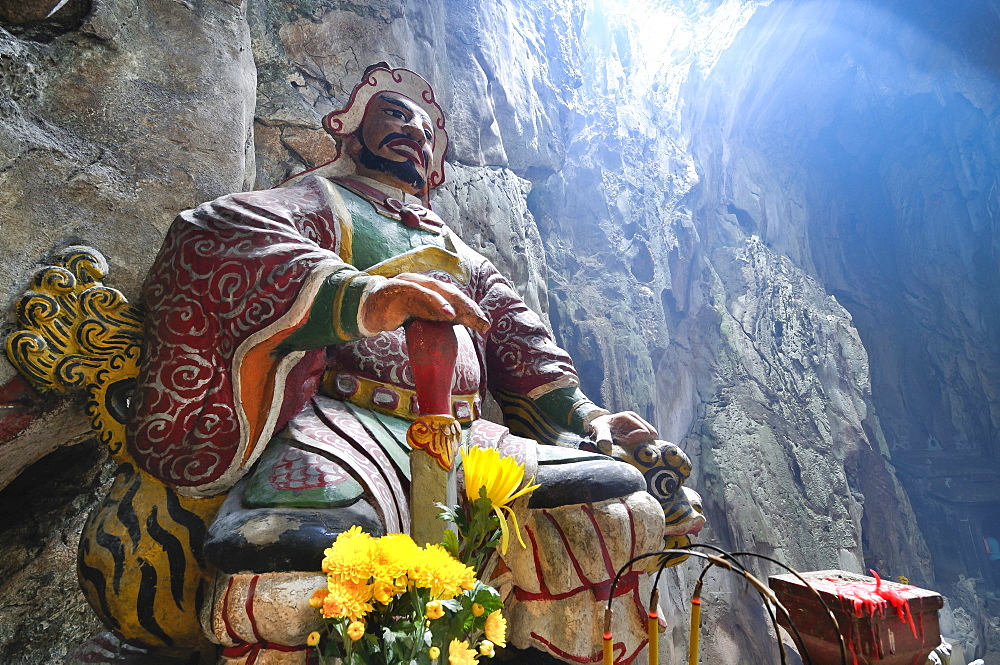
[[405, 171]]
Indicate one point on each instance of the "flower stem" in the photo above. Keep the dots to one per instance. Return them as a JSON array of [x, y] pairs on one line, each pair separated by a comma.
[[348, 644], [418, 611]]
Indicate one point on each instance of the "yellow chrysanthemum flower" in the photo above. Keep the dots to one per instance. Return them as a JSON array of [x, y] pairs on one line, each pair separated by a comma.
[[477, 610], [459, 653], [501, 476], [347, 600], [496, 629], [319, 595], [312, 639], [434, 610], [332, 608], [439, 571], [350, 557], [486, 648], [356, 630], [383, 592], [391, 558], [434, 653]]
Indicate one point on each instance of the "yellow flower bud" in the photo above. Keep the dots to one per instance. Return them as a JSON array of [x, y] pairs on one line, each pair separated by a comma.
[[434, 652], [356, 630], [486, 648], [477, 610], [313, 639], [435, 610]]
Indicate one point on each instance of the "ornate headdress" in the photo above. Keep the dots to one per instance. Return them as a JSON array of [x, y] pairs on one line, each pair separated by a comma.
[[377, 79]]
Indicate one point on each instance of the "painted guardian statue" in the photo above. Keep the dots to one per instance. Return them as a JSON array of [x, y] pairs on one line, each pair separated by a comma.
[[270, 409]]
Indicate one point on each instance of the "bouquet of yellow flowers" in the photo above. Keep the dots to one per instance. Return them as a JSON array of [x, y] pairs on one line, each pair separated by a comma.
[[389, 601]]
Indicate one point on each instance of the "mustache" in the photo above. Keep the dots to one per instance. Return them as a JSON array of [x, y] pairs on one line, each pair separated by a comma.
[[392, 137], [406, 171]]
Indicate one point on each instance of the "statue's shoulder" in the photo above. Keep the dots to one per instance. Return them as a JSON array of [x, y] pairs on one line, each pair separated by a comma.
[[454, 243], [310, 191], [320, 191], [305, 198]]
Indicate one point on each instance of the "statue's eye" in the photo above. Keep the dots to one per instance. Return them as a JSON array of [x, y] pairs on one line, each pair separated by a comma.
[[396, 113], [428, 135]]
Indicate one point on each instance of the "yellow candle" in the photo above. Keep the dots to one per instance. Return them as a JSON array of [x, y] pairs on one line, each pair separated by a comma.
[[608, 656], [654, 637], [653, 627], [695, 630]]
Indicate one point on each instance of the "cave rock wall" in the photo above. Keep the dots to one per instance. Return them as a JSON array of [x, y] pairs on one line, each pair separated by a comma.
[[645, 186]]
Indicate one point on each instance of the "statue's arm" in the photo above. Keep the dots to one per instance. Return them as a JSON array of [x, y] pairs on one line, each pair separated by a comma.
[[570, 408], [351, 305], [532, 378], [334, 314]]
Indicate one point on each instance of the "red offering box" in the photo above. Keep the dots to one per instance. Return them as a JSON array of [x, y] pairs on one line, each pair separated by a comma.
[[882, 622]]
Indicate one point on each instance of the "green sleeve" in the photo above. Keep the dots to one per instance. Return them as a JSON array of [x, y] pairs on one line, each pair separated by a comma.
[[333, 317], [556, 418], [569, 408]]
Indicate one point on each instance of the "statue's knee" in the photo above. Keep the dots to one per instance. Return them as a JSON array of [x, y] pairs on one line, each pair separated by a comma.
[[570, 476], [275, 539]]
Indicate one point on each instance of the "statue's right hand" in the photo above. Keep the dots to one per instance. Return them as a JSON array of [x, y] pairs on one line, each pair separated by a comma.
[[396, 300]]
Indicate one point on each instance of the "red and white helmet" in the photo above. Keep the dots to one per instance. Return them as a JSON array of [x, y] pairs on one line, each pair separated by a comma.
[[379, 79]]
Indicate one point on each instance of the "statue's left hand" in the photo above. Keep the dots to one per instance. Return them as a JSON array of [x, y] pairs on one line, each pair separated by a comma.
[[626, 427]]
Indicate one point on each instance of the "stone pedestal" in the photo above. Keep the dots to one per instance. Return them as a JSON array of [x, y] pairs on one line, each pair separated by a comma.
[[882, 623]]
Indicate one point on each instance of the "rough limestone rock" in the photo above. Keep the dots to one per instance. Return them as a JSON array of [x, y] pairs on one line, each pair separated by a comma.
[[767, 227], [489, 206], [736, 349], [110, 128], [42, 612], [862, 147], [119, 115], [112, 120]]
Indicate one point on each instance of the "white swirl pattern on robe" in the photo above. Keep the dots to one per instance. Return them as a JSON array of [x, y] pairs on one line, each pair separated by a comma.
[[234, 266], [226, 270]]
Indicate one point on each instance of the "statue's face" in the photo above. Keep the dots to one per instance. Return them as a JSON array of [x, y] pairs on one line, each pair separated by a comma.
[[395, 142]]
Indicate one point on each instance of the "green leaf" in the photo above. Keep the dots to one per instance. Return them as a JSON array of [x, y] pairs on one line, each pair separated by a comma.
[[488, 597], [422, 658], [331, 648], [447, 513], [450, 542], [453, 604]]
